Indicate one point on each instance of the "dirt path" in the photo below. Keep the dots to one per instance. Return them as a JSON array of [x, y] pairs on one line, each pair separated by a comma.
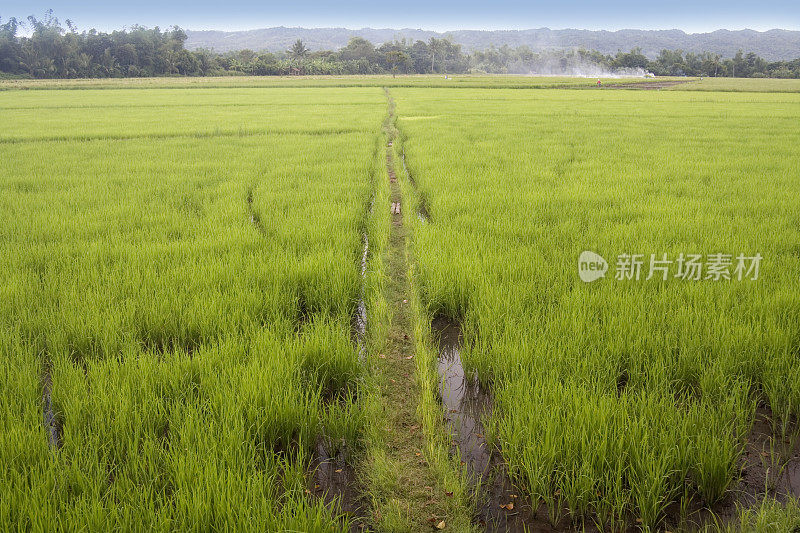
[[409, 497]]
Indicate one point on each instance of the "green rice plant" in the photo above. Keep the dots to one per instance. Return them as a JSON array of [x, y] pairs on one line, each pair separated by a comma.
[[770, 516]]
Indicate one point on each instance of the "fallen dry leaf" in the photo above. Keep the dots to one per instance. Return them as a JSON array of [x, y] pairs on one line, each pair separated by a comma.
[[440, 525], [417, 454], [338, 471]]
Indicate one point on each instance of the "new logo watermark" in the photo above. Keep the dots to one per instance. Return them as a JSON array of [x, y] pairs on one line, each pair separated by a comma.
[[591, 266], [685, 267]]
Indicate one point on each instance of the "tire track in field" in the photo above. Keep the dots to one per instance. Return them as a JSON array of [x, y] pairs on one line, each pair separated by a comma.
[[423, 213], [360, 316], [51, 423], [335, 479], [332, 476]]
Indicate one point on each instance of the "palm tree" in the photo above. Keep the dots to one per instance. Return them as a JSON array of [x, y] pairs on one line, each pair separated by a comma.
[[298, 50]]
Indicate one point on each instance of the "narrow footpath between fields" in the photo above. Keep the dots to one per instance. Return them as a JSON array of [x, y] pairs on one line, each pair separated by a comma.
[[406, 492]]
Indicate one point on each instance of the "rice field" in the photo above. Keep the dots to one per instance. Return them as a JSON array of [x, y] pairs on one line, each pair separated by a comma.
[[179, 271], [181, 267], [621, 400]]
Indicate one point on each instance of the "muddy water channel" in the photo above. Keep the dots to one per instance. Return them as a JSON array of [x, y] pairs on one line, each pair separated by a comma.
[[335, 481], [359, 321], [501, 507], [464, 401]]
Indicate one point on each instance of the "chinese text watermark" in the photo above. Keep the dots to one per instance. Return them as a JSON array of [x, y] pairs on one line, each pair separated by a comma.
[[685, 267]]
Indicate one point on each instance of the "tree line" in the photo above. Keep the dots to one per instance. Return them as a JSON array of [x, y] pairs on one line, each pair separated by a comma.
[[53, 50]]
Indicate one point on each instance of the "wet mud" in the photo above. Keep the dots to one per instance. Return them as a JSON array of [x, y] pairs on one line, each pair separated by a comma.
[[255, 219], [359, 319], [770, 468], [464, 401], [422, 212], [51, 424], [334, 481]]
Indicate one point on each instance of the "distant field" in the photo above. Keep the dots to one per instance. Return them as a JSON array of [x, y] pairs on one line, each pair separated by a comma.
[[438, 81], [742, 85], [510, 82], [181, 262]]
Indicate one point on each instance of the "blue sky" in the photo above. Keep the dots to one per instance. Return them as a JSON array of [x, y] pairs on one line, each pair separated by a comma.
[[688, 15]]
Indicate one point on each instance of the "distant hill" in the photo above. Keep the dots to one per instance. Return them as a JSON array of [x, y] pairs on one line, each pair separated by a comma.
[[772, 45]]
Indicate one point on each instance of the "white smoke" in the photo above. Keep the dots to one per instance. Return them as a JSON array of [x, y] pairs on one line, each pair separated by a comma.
[[573, 68], [574, 63]]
